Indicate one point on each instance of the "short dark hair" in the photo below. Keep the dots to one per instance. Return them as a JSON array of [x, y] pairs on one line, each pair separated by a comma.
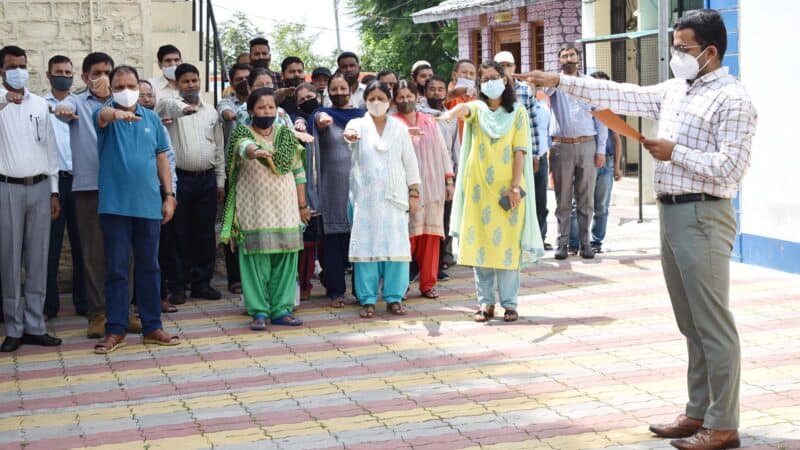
[[509, 96], [337, 74], [460, 62], [709, 29], [435, 78], [600, 74], [123, 69], [385, 72], [257, 94], [165, 50], [344, 55], [143, 81], [379, 85], [57, 59], [185, 68], [235, 68], [255, 73], [568, 47], [419, 68], [367, 79], [12, 50], [96, 58], [259, 41], [405, 84], [289, 60]]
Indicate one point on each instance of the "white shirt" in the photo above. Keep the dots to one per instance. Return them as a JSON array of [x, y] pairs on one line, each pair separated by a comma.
[[162, 89], [356, 98], [27, 141], [61, 130]]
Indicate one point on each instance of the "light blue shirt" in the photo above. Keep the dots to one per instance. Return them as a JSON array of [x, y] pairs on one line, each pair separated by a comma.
[[574, 119], [83, 140], [128, 175], [61, 132], [543, 121]]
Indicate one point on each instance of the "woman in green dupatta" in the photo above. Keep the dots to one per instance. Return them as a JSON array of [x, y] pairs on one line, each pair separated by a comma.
[[494, 213], [266, 210]]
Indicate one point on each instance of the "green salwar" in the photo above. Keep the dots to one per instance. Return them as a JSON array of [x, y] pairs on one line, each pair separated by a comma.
[[269, 282]]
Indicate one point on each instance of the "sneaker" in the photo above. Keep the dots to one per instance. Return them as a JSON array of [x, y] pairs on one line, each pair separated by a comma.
[[97, 327], [597, 248], [547, 246], [206, 292]]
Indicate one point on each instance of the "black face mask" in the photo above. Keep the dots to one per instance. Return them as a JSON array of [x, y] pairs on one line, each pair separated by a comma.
[[263, 122], [242, 89], [436, 103], [309, 106], [260, 63], [406, 107], [339, 100], [292, 82]]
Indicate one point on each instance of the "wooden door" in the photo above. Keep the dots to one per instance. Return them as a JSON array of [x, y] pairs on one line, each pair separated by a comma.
[[507, 39]]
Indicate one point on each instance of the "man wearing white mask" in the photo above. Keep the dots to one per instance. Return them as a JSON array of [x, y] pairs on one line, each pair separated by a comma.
[[28, 201], [166, 85], [700, 161]]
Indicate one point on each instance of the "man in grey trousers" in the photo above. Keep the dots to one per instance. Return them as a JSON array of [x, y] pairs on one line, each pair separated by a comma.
[[28, 201], [578, 150], [700, 161]]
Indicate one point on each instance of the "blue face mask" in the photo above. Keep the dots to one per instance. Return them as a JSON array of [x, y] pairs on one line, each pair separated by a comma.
[[16, 78], [493, 88]]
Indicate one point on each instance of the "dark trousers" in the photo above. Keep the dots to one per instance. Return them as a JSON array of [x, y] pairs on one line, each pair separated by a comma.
[[94, 260], [305, 264], [194, 225], [231, 258], [446, 257], [168, 260], [334, 249], [67, 219], [540, 179], [120, 235]]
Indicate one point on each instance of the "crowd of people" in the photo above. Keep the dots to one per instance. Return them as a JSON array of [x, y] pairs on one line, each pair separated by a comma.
[[375, 172]]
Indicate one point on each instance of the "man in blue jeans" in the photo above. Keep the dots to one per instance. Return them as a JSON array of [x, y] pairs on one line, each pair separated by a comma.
[[606, 176], [132, 148]]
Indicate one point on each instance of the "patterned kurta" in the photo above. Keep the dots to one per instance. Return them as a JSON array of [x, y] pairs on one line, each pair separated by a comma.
[[490, 236]]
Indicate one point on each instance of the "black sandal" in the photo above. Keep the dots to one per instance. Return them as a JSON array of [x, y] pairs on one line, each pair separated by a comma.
[[484, 314], [510, 315]]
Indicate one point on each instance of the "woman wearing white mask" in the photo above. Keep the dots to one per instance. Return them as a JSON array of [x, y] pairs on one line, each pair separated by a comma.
[[493, 216], [384, 187]]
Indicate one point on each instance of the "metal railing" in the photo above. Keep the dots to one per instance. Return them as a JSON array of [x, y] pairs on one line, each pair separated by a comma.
[[210, 47]]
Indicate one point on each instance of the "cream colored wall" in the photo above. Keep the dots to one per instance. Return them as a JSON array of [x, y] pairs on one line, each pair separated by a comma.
[[601, 52]]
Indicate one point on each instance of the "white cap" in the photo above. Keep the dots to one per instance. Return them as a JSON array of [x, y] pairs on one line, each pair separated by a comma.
[[504, 57], [419, 63]]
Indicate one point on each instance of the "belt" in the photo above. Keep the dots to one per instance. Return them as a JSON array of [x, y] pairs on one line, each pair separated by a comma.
[[65, 173], [186, 173], [27, 181], [686, 198], [577, 140]]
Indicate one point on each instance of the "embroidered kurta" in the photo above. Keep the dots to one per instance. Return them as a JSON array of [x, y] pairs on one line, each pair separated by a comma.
[[434, 165], [383, 166]]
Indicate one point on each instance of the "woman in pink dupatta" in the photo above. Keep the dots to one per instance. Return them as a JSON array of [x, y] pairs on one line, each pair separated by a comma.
[[426, 227]]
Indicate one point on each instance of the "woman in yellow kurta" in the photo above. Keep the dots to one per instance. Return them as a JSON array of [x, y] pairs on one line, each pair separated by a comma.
[[494, 215]]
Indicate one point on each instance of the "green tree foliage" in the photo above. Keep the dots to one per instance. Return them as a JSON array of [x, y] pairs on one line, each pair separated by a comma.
[[235, 36], [293, 40], [391, 40]]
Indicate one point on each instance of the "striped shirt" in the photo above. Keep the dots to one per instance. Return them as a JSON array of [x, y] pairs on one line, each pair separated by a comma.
[[526, 98], [712, 122]]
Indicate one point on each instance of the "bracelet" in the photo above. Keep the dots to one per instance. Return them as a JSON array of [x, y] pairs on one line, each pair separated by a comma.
[[302, 207]]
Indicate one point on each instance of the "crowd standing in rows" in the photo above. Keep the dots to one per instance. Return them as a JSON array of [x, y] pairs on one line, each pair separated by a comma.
[[379, 173]]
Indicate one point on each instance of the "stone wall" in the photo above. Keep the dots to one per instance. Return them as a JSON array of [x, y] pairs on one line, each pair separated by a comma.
[[47, 28], [562, 25]]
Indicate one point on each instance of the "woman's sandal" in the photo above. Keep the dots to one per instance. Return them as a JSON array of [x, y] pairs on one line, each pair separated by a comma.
[[167, 307], [160, 337], [395, 308], [432, 293], [338, 302], [367, 311], [259, 323], [510, 315], [485, 313], [109, 344], [288, 320]]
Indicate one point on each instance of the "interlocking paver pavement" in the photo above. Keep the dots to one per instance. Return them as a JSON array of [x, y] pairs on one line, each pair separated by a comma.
[[594, 358]]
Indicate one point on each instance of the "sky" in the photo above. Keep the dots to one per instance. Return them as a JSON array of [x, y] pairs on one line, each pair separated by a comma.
[[317, 15]]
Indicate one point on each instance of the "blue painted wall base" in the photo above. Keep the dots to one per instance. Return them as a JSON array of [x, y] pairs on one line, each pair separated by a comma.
[[769, 252]]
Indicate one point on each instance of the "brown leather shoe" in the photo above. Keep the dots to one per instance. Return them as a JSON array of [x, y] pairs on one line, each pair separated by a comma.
[[683, 426], [706, 439]]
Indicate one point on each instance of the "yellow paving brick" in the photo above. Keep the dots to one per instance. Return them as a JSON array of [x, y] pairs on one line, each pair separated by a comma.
[[230, 437], [349, 423], [294, 429]]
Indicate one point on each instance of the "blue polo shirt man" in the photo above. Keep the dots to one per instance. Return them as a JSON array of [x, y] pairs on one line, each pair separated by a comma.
[[131, 145]]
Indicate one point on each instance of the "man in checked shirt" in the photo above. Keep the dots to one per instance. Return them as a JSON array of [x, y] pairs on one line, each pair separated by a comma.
[[706, 127]]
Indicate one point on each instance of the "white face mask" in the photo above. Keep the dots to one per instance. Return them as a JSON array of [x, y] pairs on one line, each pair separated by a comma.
[[169, 72], [377, 108], [126, 98], [685, 66]]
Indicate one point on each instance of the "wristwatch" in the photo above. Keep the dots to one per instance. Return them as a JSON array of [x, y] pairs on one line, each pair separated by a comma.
[[169, 194], [515, 190]]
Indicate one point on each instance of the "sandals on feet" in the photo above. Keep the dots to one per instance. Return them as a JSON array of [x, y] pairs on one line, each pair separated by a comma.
[[484, 314], [109, 344], [510, 315], [160, 337], [167, 307], [338, 302], [367, 311], [395, 308], [432, 293], [288, 320], [259, 323]]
